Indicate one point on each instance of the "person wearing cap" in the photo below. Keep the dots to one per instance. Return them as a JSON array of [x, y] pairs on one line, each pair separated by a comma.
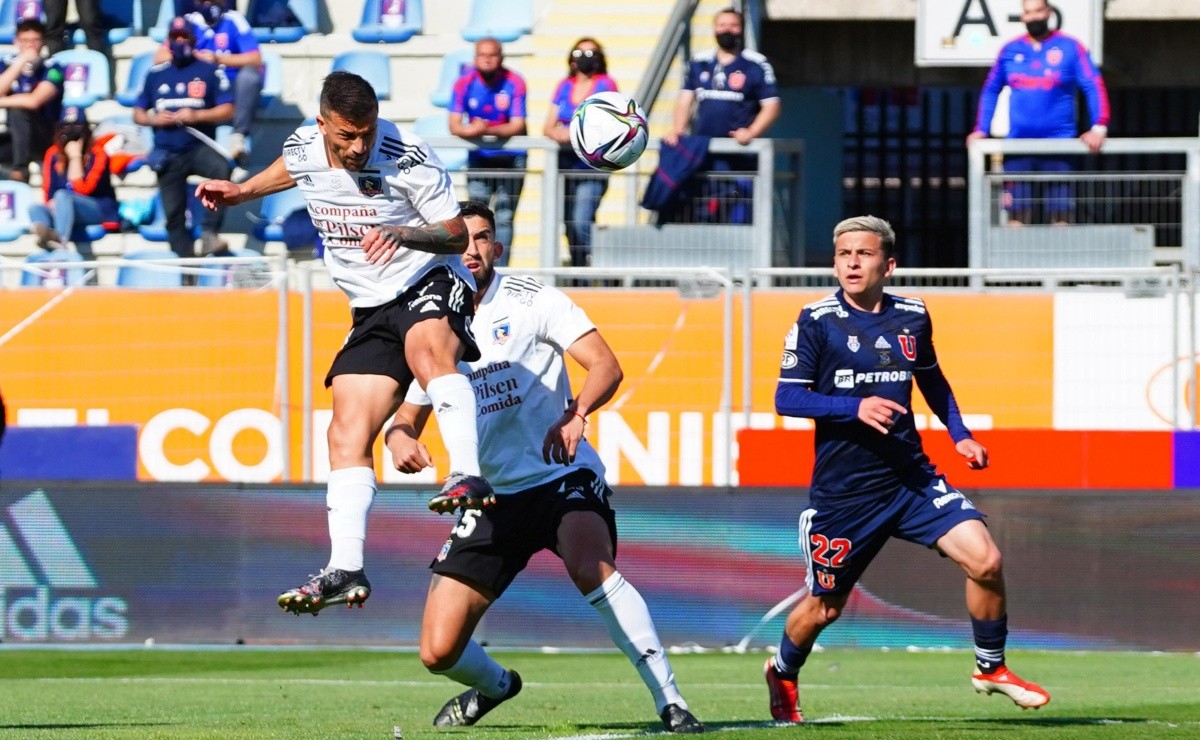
[[31, 90], [184, 100], [76, 185], [224, 37]]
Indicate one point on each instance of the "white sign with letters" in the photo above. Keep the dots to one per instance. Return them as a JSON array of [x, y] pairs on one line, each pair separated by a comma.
[[970, 33]]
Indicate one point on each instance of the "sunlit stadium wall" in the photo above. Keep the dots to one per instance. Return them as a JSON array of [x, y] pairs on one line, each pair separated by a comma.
[[174, 563]]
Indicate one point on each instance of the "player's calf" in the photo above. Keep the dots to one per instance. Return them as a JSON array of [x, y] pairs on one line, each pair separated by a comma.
[[1024, 694]]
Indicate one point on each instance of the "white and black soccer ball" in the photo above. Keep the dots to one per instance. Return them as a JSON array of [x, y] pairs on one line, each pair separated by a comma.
[[608, 131]]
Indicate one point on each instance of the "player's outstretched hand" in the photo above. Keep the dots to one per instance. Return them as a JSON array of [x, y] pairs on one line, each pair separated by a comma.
[[214, 194], [879, 413], [563, 438], [976, 454], [408, 455], [380, 243]]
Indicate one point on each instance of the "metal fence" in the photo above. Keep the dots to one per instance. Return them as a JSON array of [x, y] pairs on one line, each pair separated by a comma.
[[1133, 204]]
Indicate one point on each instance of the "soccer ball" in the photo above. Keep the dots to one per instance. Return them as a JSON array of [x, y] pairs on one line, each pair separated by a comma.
[[608, 131]]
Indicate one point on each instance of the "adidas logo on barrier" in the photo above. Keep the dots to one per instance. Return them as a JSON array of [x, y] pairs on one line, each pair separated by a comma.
[[38, 562]]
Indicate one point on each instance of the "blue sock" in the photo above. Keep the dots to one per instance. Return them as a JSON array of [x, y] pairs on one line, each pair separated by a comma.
[[990, 635], [790, 659]]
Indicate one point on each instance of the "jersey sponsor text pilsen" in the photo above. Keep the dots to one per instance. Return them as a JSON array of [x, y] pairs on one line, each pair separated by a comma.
[[403, 183]]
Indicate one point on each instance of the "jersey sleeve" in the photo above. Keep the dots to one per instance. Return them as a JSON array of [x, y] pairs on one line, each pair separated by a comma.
[[926, 355], [1092, 84], [427, 185], [520, 95], [560, 320], [246, 40], [691, 76], [458, 97], [768, 89], [990, 94], [145, 98], [801, 348]]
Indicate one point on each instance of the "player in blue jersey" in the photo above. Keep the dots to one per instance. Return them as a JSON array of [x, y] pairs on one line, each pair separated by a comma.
[[489, 100], [849, 363], [1043, 69], [735, 96]]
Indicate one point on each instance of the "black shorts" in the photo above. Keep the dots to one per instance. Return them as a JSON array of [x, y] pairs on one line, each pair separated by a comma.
[[375, 345], [489, 548]]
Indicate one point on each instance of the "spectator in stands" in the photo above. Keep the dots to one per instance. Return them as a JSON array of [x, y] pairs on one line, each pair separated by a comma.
[[76, 184], [90, 21], [735, 95], [489, 100], [31, 90], [184, 100], [224, 36], [587, 73], [1043, 69]]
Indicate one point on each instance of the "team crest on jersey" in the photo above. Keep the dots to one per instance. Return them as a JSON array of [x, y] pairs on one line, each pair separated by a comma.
[[370, 185], [1054, 57], [221, 40], [503, 101], [789, 360], [827, 580], [501, 333], [196, 88], [737, 80], [908, 346], [852, 343]]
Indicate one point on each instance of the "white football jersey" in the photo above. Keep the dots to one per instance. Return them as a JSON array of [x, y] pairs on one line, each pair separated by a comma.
[[522, 327], [403, 183]]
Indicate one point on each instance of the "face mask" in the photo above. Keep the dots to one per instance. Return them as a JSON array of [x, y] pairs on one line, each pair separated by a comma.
[[1038, 29], [212, 12], [489, 76], [181, 51], [729, 41], [587, 65]]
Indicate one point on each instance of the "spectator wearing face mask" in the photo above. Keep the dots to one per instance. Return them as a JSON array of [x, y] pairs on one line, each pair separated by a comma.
[[184, 100], [735, 96], [77, 187], [224, 37], [587, 74]]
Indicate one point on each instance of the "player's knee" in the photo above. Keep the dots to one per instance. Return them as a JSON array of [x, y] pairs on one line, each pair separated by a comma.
[[827, 615], [439, 658], [989, 568], [345, 444]]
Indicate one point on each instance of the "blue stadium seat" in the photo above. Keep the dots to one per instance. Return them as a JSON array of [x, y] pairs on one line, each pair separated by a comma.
[[8, 19], [156, 230], [133, 276], [275, 208], [35, 275], [503, 20], [167, 11], [122, 18], [92, 66], [454, 65], [268, 16], [272, 78], [403, 20], [373, 66], [139, 67], [15, 199], [438, 124]]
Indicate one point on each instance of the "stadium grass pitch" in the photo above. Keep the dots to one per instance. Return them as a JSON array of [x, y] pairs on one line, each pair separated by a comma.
[[320, 693]]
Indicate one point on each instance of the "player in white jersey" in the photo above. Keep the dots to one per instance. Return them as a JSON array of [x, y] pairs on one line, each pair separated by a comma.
[[548, 479], [369, 184]]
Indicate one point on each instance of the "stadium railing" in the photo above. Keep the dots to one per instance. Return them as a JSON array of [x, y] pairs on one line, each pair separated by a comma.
[[1135, 203]]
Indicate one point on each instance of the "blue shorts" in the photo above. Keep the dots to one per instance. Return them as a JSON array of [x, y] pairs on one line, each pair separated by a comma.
[[1054, 197], [839, 542]]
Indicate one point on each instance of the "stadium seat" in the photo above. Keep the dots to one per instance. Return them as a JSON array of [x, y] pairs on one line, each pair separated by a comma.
[[504, 21], [272, 78], [373, 66], [128, 154], [454, 65], [269, 19], [139, 67], [221, 276], [9, 10], [438, 124], [156, 230], [15, 199], [403, 20], [133, 276], [167, 11], [86, 74], [34, 275], [275, 208], [122, 18]]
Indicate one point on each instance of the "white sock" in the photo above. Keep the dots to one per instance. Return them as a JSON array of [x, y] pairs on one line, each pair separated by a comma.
[[454, 404], [475, 668], [629, 623], [348, 499]]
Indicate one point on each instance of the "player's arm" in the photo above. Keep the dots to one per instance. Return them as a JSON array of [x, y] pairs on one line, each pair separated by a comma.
[[681, 117], [604, 376], [402, 438], [215, 193], [33, 100], [1096, 94], [988, 97], [768, 113], [443, 237], [940, 397]]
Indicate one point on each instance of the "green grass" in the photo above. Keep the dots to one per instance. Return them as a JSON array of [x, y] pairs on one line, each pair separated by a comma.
[[352, 693]]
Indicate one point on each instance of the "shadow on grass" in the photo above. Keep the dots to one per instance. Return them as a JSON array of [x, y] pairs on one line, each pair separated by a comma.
[[77, 725]]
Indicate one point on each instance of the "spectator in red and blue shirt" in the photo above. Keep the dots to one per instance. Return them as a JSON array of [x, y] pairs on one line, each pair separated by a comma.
[[489, 100], [225, 37], [587, 74], [31, 90], [1043, 69]]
